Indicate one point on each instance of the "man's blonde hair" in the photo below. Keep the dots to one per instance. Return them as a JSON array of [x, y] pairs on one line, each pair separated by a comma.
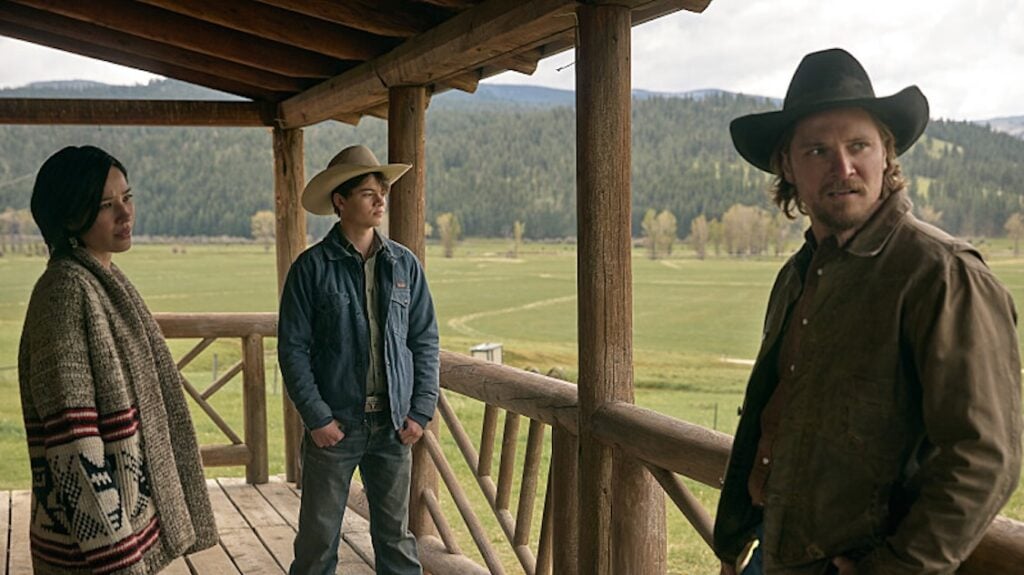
[[784, 193]]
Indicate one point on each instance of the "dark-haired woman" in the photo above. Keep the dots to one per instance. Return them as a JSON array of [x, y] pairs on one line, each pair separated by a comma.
[[117, 483]]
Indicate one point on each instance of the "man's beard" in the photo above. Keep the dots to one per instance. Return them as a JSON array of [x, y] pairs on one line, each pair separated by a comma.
[[844, 220]]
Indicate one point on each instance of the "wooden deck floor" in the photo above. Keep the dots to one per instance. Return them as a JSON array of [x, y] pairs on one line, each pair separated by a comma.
[[256, 525]]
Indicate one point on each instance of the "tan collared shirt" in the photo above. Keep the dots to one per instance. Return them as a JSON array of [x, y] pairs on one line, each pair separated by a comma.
[[376, 380]]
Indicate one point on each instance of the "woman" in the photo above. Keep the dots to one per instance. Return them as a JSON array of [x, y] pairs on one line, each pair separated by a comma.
[[117, 482]]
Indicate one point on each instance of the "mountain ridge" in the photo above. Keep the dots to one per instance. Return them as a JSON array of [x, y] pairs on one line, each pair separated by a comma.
[[496, 161], [486, 95]]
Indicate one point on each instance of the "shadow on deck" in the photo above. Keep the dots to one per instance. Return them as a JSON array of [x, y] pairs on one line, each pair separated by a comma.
[[256, 524]]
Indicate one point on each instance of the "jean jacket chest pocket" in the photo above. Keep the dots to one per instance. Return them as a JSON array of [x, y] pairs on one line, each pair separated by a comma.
[[330, 316], [399, 312]]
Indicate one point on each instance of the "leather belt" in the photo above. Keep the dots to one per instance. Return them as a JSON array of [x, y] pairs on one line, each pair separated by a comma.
[[376, 403]]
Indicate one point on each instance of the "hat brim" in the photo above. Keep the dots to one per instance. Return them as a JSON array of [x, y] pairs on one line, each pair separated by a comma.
[[316, 198], [905, 113]]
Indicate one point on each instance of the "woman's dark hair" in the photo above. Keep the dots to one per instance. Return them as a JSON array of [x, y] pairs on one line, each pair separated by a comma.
[[67, 194]]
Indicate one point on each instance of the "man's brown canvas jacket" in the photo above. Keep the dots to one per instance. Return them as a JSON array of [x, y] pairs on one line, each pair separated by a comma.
[[901, 437]]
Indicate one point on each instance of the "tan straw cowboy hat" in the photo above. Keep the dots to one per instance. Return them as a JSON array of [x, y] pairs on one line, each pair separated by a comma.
[[351, 162], [823, 81]]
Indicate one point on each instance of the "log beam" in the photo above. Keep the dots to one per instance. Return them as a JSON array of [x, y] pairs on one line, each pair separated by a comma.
[[461, 43], [45, 111]]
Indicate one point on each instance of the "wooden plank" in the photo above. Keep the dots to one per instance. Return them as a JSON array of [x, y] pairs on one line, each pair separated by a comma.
[[141, 47], [255, 509], [177, 567], [5, 528], [20, 558], [227, 515], [212, 561], [280, 542], [358, 548], [50, 111], [284, 501], [248, 552], [195, 35], [264, 21]]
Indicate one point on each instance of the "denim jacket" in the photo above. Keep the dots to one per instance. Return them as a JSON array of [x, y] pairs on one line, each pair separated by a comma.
[[323, 341], [900, 439]]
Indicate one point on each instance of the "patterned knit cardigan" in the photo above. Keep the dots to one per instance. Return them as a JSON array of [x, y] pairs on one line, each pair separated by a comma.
[[117, 483]]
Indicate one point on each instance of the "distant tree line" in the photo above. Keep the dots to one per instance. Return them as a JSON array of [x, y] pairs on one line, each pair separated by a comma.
[[492, 165]]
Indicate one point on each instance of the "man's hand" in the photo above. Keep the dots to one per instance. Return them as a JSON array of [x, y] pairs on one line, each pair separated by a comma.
[[845, 566], [728, 569], [411, 432], [327, 435]]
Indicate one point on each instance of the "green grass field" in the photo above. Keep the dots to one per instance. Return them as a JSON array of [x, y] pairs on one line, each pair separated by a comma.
[[690, 317]]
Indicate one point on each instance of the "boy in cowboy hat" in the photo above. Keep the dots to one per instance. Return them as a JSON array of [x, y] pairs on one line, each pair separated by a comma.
[[358, 348], [880, 432]]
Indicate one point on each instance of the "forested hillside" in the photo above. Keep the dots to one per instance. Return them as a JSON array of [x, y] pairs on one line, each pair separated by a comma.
[[495, 161]]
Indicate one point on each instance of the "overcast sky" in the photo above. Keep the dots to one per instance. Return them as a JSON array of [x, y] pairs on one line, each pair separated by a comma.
[[966, 55]]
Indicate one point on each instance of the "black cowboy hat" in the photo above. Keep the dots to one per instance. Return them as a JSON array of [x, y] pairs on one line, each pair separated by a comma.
[[825, 80]]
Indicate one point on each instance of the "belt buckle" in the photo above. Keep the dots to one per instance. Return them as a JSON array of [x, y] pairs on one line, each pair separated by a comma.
[[374, 403]]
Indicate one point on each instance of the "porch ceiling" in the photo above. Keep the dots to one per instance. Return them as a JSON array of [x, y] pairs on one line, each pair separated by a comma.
[[314, 59]]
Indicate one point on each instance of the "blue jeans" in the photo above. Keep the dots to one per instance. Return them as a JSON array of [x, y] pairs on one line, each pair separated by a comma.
[[385, 466]]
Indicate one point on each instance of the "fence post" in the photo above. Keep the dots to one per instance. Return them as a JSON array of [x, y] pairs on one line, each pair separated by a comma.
[[254, 399]]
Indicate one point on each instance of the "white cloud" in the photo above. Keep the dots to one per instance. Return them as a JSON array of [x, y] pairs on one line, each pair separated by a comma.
[[966, 55], [22, 63]]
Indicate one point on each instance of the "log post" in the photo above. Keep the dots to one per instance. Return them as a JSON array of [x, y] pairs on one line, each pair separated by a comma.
[[407, 109], [289, 179], [565, 515], [407, 114], [255, 401], [621, 525]]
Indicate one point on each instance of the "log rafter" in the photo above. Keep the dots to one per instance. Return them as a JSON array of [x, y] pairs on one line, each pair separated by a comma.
[[126, 58], [393, 18], [261, 20], [145, 50], [48, 111], [197, 35]]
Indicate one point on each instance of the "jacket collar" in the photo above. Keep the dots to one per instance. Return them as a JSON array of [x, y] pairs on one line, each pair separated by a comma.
[[871, 239], [338, 247]]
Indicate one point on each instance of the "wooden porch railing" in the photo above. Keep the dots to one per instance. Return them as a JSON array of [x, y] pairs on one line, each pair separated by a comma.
[[250, 449], [666, 446]]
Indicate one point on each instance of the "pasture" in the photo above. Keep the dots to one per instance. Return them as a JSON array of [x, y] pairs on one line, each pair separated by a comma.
[[694, 324]]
